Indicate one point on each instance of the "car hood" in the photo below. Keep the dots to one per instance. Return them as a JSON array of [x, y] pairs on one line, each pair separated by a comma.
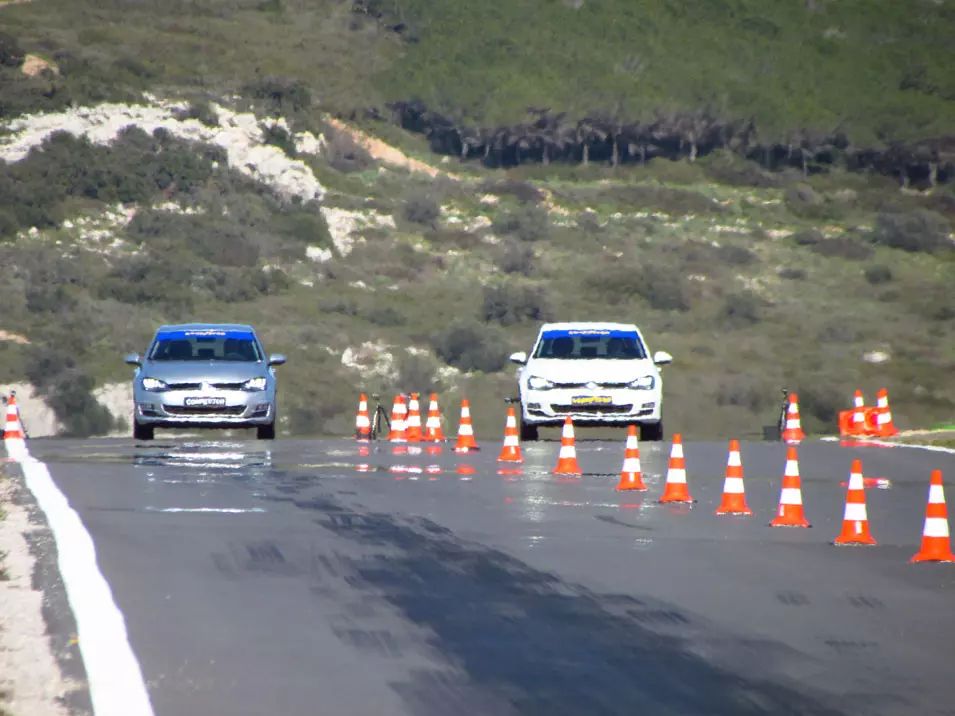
[[198, 371], [590, 369]]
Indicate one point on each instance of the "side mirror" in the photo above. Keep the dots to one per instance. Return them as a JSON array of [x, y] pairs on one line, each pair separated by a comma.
[[662, 358], [276, 359], [520, 358], [133, 359]]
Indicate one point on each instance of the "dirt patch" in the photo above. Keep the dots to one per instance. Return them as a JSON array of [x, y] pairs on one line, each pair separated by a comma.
[[30, 678], [14, 338], [34, 65]]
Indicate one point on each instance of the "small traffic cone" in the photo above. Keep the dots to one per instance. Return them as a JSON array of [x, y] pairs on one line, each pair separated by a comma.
[[790, 513], [675, 489], [362, 421], [413, 426], [432, 427], [855, 522], [398, 432], [466, 442], [13, 430], [734, 494], [884, 422], [567, 458], [793, 433], [511, 451], [936, 543], [631, 477]]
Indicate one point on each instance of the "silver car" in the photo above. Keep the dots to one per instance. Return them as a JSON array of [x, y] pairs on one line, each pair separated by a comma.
[[204, 375]]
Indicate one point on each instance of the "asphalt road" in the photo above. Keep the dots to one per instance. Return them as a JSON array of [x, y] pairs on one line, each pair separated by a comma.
[[301, 577]]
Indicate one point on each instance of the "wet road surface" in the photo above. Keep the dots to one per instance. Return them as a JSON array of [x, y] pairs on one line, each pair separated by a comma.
[[302, 577]]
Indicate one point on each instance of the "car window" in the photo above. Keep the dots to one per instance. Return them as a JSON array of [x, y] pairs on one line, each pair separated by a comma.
[[585, 344], [212, 345]]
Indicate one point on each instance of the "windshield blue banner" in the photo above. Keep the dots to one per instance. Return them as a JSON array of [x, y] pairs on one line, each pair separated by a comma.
[[571, 332], [204, 333]]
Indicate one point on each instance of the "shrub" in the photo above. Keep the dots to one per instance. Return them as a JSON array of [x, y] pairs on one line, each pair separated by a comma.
[[278, 136], [736, 255], [11, 54], [810, 237], [471, 346], [415, 373], [510, 303], [793, 274], [514, 258], [528, 223], [670, 201], [727, 168], [522, 190], [345, 154], [843, 247], [918, 231], [878, 274], [201, 110], [420, 208], [387, 316], [742, 309]]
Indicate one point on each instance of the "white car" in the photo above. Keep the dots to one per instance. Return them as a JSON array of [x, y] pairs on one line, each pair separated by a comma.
[[598, 373]]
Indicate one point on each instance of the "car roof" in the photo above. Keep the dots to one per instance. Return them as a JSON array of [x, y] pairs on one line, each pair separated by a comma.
[[589, 325], [205, 327]]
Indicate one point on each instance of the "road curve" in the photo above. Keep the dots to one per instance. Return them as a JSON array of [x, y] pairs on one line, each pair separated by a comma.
[[302, 577]]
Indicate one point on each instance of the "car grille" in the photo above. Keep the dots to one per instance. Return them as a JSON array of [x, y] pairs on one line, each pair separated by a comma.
[[184, 386], [227, 410], [198, 386], [595, 409], [604, 386]]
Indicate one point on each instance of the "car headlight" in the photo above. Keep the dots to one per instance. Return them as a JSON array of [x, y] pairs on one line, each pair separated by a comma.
[[537, 383], [153, 384], [254, 384], [645, 383]]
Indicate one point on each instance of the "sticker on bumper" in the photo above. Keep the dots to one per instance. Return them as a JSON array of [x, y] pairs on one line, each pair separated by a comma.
[[591, 400]]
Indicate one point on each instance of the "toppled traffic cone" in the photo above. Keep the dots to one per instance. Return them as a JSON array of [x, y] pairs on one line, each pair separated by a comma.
[[734, 494], [884, 426], [936, 543], [852, 422], [511, 450], [855, 522], [466, 442], [790, 513], [793, 433], [413, 426], [567, 458], [362, 421], [13, 430], [398, 432], [675, 489], [631, 476], [432, 427]]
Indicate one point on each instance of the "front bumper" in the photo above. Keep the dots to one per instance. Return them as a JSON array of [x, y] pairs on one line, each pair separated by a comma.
[[601, 407], [171, 409]]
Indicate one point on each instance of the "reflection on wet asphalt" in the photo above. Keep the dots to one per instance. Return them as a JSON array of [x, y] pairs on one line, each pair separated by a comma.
[[352, 580]]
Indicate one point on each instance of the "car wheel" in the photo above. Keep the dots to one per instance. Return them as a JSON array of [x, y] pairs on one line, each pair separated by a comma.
[[265, 432], [528, 432], [651, 432], [143, 432]]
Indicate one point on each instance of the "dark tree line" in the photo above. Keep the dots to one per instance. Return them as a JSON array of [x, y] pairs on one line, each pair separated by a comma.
[[550, 136]]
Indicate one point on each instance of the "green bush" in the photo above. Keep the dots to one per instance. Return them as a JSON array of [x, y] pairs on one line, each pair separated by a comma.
[[741, 309], [878, 274], [512, 257], [528, 223], [421, 208], [918, 231], [843, 247], [510, 302], [471, 346]]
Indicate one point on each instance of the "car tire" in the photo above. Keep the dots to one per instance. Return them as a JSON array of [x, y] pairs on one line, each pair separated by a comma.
[[143, 432], [528, 432], [265, 432], [651, 432]]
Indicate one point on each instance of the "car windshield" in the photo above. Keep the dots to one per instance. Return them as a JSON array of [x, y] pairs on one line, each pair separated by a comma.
[[584, 344], [212, 345]]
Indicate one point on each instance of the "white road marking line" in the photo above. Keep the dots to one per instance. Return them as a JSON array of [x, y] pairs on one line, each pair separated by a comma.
[[115, 678], [226, 510]]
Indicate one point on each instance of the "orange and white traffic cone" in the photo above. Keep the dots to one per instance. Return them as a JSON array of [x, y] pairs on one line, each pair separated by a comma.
[[858, 414], [734, 494], [855, 521], [884, 421], [13, 430], [413, 426], [398, 432], [567, 458], [432, 427], [511, 450], [675, 489], [793, 433], [466, 441], [790, 513], [362, 421], [936, 543], [631, 476]]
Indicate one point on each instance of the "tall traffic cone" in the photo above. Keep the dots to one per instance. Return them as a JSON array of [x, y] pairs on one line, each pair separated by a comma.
[[855, 522], [432, 428], [631, 476], [413, 426], [675, 489], [858, 414], [734, 495], [362, 421], [511, 450], [466, 442], [936, 543], [398, 432], [793, 433], [884, 422], [790, 512], [13, 430], [567, 458]]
